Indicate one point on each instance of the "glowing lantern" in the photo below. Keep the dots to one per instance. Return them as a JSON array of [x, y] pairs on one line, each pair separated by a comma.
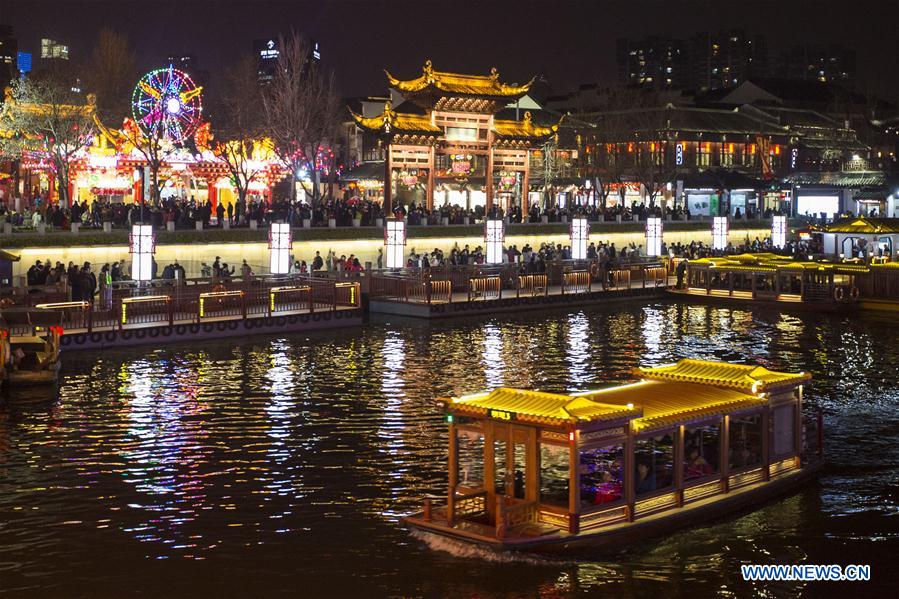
[[494, 235], [279, 244], [653, 236], [395, 240], [719, 233], [142, 245], [579, 233], [779, 231]]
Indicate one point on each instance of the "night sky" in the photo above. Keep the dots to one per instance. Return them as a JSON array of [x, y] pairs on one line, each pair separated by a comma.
[[570, 41]]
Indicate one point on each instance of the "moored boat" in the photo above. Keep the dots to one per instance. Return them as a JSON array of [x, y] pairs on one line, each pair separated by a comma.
[[688, 443], [32, 346]]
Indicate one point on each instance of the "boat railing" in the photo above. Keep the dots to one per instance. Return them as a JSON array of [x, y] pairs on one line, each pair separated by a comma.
[[509, 516], [577, 281]]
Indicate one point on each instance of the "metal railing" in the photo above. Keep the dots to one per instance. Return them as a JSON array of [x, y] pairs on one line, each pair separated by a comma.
[[133, 306]]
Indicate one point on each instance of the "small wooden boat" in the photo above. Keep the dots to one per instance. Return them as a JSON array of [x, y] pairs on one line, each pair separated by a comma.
[[688, 443], [32, 337]]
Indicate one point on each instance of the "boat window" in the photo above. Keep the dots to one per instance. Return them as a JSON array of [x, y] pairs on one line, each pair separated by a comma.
[[499, 466], [554, 474], [519, 456], [470, 455], [602, 474], [745, 441], [783, 432], [702, 451], [653, 463]]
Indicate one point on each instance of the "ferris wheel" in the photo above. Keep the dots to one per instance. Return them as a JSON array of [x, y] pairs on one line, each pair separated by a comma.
[[167, 102]]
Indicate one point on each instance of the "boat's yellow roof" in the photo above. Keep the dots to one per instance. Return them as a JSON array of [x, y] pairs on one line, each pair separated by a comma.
[[665, 403], [721, 374], [539, 405]]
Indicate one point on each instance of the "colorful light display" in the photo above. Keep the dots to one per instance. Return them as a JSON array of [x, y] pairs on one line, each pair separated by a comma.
[[279, 243], [653, 236], [167, 102], [720, 229], [779, 231], [579, 232], [395, 240], [494, 236]]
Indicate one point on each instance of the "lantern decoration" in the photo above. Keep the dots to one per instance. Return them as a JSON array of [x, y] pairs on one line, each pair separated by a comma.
[[279, 244], [719, 233], [461, 165], [395, 240], [494, 236], [779, 231], [408, 178], [507, 180], [653, 236], [579, 232], [142, 245], [166, 103]]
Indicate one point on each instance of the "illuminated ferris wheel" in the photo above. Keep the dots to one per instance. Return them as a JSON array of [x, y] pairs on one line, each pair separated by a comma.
[[167, 102]]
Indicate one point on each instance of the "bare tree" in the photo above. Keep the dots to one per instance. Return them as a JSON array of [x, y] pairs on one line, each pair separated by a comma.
[[49, 122], [239, 140], [653, 163], [607, 126], [152, 145], [302, 113], [110, 73]]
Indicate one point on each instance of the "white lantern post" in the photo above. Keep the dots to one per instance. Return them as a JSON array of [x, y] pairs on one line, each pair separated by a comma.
[[395, 240], [719, 233], [579, 232], [280, 242], [142, 245], [494, 236], [653, 236], [779, 231]]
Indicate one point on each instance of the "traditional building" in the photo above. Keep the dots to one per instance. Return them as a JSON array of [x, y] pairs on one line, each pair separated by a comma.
[[445, 143]]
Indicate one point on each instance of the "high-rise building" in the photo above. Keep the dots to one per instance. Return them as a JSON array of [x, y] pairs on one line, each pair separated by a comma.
[[8, 55], [821, 63], [654, 62], [727, 58], [706, 61], [51, 49]]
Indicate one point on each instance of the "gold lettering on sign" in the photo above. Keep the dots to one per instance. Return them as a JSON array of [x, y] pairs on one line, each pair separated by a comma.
[[501, 414]]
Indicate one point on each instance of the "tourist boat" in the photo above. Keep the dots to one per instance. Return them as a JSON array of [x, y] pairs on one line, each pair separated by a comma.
[[772, 280], [687, 443], [32, 338]]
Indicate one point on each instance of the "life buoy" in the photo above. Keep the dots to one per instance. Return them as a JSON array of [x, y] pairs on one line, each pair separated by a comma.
[[126, 335], [154, 332], [167, 331], [854, 293], [194, 328], [839, 294], [180, 329], [96, 337], [110, 336]]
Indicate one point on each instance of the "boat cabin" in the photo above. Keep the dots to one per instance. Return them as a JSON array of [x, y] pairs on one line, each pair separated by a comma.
[[527, 466], [775, 278]]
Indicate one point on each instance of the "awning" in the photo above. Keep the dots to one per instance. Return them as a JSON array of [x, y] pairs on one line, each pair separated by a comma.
[[365, 171], [721, 179], [838, 178]]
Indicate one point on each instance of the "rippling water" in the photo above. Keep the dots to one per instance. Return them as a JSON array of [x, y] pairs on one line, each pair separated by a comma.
[[281, 465]]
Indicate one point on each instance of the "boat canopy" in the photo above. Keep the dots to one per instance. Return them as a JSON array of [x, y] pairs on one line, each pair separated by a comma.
[[720, 374], [688, 391]]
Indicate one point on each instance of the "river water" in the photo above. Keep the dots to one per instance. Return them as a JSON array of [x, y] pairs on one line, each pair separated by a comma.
[[269, 466]]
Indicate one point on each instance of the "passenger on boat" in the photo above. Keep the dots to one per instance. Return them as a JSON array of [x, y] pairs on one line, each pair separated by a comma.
[[646, 478], [697, 466]]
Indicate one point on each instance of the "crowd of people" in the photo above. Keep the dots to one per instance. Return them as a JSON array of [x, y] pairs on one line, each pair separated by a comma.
[[185, 213]]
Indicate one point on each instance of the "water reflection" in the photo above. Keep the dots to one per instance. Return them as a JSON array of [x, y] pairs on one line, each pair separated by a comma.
[[298, 455]]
